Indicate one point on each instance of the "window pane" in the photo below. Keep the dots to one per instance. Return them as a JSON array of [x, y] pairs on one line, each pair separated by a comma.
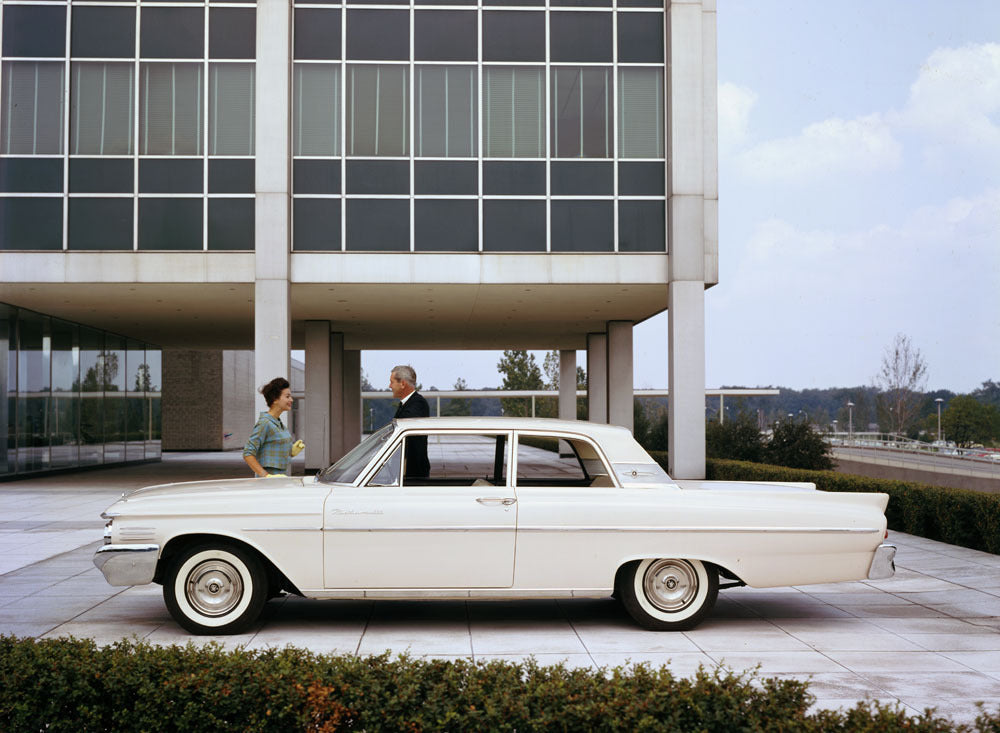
[[100, 32], [170, 223], [8, 389], [31, 223], [640, 113], [316, 109], [378, 35], [101, 104], [91, 396], [583, 226], [136, 379], [446, 111], [31, 175], [64, 417], [441, 225], [231, 176], [640, 38], [112, 362], [642, 226], [513, 35], [34, 30], [317, 33], [514, 102], [316, 176], [100, 224], [446, 177], [581, 112], [153, 433], [231, 109], [172, 33], [378, 110], [31, 114], [513, 226], [378, 225], [231, 224], [33, 391], [316, 225], [445, 35], [583, 36], [170, 109], [378, 176], [171, 175], [232, 33]]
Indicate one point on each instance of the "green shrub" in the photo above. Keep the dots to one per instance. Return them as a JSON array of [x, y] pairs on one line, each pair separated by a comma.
[[956, 516], [74, 685]]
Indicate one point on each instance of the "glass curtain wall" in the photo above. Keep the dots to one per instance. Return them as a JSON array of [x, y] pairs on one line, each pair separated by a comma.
[[74, 396]]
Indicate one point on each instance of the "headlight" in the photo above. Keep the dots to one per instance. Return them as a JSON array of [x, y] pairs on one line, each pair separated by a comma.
[[107, 531]]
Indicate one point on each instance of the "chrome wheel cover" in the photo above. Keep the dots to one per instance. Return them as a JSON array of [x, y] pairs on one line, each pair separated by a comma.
[[670, 585], [214, 588]]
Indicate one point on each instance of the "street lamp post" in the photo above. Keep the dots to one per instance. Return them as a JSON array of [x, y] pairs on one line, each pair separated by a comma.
[[939, 401], [850, 419]]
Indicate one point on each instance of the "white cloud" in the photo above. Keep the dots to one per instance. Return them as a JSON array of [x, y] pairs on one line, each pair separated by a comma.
[[863, 145], [735, 105], [956, 98]]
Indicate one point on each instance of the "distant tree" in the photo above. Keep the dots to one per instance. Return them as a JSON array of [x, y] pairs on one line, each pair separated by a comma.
[[966, 421], [989, 393], [143, 379], [900, 380], [550, 368], [738, 439], [796, 445], [520, 371], [657, 434], [457, 405]]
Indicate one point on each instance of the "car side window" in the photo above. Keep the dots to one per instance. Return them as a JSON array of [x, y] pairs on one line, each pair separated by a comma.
[[388, 473], [461, 459], [551, 461]]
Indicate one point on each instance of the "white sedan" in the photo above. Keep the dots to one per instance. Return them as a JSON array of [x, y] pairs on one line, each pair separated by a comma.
[[512, 508]]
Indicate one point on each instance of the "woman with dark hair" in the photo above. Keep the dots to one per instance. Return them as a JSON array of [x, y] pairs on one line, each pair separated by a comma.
[[269, 449]]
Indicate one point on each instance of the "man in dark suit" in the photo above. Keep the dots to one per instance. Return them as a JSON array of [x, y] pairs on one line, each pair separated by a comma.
[[403, 383]]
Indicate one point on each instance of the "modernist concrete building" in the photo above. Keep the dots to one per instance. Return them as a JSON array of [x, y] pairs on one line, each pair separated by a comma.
[[337, 177]]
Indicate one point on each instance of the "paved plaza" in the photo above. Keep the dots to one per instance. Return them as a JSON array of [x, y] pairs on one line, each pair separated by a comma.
[[930, 636]]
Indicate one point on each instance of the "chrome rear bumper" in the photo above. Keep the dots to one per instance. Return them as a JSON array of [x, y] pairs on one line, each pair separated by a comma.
[[127, 564], [882, 564]]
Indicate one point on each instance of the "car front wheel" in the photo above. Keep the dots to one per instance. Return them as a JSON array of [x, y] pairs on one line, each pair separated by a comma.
[[215, 589], [668, 594]]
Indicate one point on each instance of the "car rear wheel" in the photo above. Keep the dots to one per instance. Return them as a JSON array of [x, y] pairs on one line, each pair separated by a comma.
[[668, 594], [215, 589]]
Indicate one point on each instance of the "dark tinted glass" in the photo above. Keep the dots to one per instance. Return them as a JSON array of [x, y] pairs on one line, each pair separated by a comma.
[[100, 223], [440, 225], [581, 118], [641, 226], [172, 33], [100, 175], [171, 176], [231, 224], [34, 30], [317, 33], [583, 179], [581, 3], [583, 226], [31, 223], [641, 179], [452, 2], [518, 3], [445, 177], [519, 179], [640, 37], [230, 176], [316, 225], [378, 176], [31, 175], [103, 32], [513, 35], [378, 35], [170, 224], [580, 36], [640, 4], [378, 225], [316, 176], [513, 226], [232, 33], [445, 35]]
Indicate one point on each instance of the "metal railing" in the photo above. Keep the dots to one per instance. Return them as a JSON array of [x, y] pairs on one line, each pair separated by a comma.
[[899, 450]]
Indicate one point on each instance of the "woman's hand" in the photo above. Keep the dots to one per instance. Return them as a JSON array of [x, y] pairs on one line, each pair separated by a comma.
[[297, 447]]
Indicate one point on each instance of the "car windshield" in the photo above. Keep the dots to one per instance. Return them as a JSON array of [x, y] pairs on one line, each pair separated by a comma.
[[346, 470]]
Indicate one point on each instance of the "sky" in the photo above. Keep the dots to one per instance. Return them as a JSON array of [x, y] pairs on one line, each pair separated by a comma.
[[859, 197]]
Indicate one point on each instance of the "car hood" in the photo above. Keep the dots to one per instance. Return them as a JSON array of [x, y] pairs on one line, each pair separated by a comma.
[[202, 488]]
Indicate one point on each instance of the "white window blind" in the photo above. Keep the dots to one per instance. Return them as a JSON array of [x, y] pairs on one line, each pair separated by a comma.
[[316, 109], [102, 106], [32, 112], [378, 109], [446, 111], [640, 113], [231, 109], [171, 110], [514, 112]]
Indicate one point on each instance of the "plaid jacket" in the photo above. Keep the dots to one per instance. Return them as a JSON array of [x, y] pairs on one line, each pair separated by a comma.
[[270, 443]]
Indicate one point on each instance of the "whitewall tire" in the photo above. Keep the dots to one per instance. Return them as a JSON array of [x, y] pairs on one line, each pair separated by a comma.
[[668, 594], [215, 589]]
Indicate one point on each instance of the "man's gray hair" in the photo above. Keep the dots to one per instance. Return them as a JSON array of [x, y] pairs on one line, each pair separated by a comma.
[[405, 373]]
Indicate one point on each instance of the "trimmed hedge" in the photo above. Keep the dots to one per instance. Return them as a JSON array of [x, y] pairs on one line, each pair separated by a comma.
[[956, 516], [73, 685]]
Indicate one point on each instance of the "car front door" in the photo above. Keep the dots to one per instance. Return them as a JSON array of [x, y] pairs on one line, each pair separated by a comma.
[[452, 529]]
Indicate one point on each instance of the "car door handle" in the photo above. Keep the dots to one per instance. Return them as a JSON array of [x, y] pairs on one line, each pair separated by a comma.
[[504, 500]]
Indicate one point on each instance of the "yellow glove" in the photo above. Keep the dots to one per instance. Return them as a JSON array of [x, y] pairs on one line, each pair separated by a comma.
[[276, 475], [297, 447]]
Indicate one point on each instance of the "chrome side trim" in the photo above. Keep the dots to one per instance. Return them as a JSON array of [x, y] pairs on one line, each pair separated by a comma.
[[438, 594], [282, 529], [596, 529], [127, 564], [883, 565]]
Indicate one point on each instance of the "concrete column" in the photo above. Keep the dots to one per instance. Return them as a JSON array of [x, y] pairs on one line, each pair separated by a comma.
[[620, 377], [317, 432], [597, 377], [352, 399], [336, 376], [272, 324], [567, 384], [686, 362]]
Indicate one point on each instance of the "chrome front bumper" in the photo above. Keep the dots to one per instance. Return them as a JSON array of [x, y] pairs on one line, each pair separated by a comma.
[[127, 564], [882, 564]]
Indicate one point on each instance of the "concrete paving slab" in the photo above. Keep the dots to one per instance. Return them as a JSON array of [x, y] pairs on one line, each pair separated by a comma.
[[902, 662], [680, 664]]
